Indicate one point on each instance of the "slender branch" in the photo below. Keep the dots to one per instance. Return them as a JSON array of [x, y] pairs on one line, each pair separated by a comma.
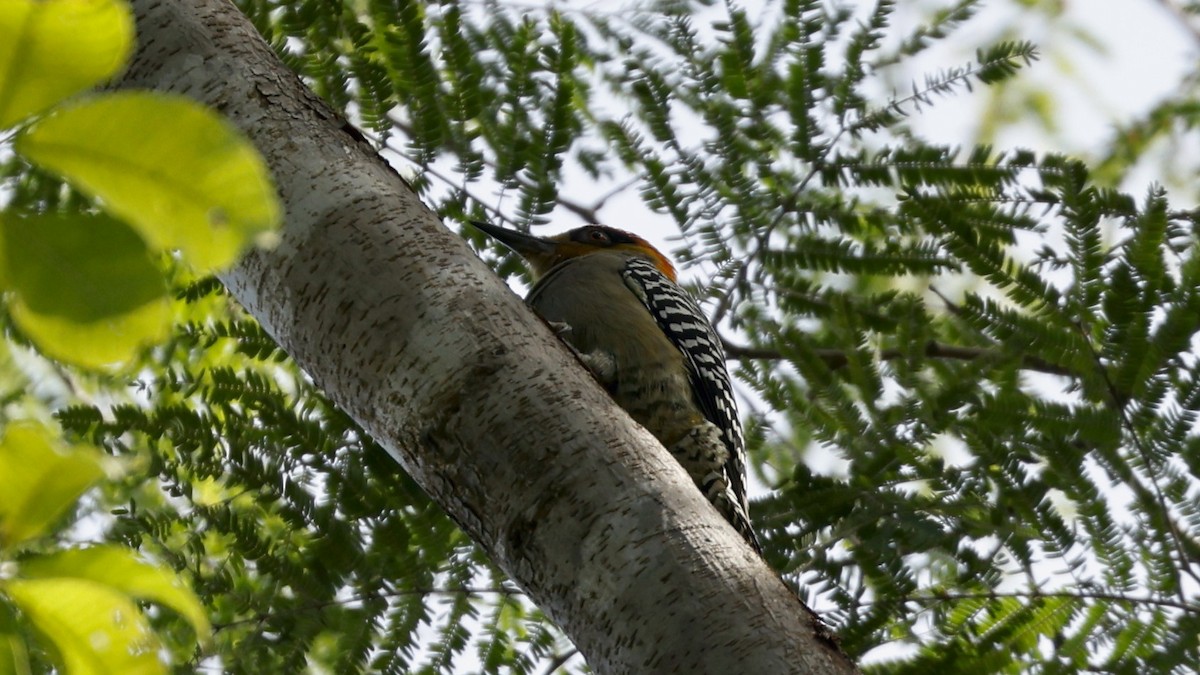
[[837, 358], [1174, 537], [589, 214], [1033, 595], [261, 617], [560, 660], [957, 77]]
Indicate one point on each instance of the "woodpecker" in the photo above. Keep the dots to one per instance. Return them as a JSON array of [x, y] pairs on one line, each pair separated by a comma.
[[614, 298]]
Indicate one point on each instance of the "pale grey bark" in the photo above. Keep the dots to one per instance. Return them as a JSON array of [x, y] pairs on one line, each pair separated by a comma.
[[400, 323]]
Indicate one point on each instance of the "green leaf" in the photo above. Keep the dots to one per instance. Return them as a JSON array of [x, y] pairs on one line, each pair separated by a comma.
[[83, 267], [39, 480], [50, 49], [182, 176], [93, 345], [14, 655], [120, 570], [94, 628], [86, 290]]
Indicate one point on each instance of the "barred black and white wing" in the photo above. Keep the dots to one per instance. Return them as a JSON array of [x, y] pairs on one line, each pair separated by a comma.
[[685, 324]]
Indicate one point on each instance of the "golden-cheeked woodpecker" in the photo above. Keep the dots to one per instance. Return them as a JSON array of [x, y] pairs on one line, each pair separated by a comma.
[[614, 298]]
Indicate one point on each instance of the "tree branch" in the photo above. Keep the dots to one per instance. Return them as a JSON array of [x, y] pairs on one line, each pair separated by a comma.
[[836, 358], [933, 597]]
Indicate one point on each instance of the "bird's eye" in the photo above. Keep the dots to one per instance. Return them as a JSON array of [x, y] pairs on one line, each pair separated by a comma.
[[598, 236]]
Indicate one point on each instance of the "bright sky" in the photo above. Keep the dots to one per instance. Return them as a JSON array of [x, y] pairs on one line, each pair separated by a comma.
[[1109, 60]]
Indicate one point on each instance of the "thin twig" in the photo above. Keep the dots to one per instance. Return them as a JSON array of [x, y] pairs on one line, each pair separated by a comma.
[[1033, 595], [558, 661], [837, 358], [317, 606]]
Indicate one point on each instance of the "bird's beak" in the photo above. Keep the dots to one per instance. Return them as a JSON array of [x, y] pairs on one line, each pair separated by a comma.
[[526, 245]]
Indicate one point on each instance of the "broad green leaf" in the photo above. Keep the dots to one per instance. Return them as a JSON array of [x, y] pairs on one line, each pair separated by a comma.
[[14, 659], [93, 345], [82, 267], [94, 628], [182, 176], [50, 49], [119, 569], [39, 480], [14, 655], [85, 288]]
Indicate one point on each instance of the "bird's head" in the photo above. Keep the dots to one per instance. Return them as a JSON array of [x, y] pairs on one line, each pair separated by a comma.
[[543, 253]]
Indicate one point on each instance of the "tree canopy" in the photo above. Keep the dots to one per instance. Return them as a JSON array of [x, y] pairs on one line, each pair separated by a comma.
[[968, 374]]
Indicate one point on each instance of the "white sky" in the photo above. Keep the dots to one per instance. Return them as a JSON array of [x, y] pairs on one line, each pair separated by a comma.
[[1138, 54]]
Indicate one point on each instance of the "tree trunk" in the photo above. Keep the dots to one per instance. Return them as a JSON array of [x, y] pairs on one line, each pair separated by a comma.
[[402, 325]]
